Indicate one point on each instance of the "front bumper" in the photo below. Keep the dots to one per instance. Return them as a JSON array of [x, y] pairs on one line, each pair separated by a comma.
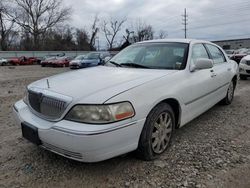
[[82, 142], [244, 69]]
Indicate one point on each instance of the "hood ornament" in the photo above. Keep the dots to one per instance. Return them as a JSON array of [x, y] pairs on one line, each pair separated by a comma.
[[48, 83]]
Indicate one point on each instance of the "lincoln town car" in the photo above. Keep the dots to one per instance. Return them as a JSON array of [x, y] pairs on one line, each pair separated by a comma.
[[133, 102]]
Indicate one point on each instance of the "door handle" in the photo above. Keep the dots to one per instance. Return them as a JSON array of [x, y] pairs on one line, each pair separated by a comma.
[[229, 69], [212, 73]]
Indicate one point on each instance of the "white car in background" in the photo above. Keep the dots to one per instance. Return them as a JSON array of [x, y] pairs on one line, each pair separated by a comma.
[[134, 102], [3, 61], [244, 67]]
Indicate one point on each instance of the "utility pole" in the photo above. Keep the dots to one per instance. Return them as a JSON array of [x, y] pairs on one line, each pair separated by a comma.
[[184, 19]]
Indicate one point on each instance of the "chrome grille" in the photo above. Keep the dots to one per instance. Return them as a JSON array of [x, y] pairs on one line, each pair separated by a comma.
[[47, 106]]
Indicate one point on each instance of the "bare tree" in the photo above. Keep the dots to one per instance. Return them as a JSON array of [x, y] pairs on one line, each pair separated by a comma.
[[94, 31], [111, 29], [6, 25], [37, 16], [82, 40], [143, 31], [162, 34]]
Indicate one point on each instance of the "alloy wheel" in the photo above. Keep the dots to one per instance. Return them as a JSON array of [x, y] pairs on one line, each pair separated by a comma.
[[162, 131]]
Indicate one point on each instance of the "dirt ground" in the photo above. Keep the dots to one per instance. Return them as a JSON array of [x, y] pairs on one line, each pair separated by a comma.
[[211, 151]]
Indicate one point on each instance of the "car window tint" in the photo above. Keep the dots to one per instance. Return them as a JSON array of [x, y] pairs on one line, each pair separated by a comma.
[[216, 54], [198, 51]]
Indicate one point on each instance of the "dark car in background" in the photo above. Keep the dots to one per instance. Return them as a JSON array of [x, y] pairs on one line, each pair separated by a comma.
[[239, 54], [89, 60]]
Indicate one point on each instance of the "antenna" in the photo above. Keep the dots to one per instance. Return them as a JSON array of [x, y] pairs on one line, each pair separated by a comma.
[[185, 19]]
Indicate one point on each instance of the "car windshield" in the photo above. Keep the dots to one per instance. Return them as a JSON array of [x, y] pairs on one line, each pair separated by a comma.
[[80, 57], [171, 55], [92, 56]]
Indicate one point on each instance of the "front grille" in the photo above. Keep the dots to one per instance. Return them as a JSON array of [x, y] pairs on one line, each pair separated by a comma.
[[248, 71], [47, 106], [248, 63], [61, 151]]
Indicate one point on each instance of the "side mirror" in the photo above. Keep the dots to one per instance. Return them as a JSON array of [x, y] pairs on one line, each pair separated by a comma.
[[106, 59], [201, 63]]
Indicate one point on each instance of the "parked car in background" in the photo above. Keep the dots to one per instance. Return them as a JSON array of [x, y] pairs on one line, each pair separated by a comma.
[[23, 60], [59, 62], [230, 53], [239, 54], [46, 60], [3, 61], [76, 62], [134, 102], [89, 60], [244, 67]]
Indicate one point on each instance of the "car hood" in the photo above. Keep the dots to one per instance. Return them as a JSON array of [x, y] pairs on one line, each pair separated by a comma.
[[75, 61], [247, 58], [98, 84], [90, 60]]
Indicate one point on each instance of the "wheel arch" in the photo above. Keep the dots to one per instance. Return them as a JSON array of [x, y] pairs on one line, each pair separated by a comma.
[[175, 105]]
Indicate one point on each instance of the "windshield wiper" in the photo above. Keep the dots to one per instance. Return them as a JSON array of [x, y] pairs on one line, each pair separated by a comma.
[[135, 65], [114, 63]]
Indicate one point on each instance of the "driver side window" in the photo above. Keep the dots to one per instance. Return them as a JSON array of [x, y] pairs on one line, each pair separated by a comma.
[[199, 51]]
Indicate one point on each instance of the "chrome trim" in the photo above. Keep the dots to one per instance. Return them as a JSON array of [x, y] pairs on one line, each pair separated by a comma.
[[198, 98], [52, 95], [15, 108], [60, 151], [90, 133]]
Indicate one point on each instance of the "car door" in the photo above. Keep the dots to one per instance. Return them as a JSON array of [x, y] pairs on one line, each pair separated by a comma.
[[201, 85], [221, 66]]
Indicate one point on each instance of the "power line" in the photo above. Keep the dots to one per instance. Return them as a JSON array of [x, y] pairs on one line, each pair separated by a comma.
[[184, 19]]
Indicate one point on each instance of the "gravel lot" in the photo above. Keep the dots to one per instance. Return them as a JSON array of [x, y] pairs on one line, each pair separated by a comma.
[[211, 151]]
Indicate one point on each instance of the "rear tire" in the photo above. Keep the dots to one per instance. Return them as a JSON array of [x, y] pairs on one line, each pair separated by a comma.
[[157, 132], [243, 77], [230, 94]]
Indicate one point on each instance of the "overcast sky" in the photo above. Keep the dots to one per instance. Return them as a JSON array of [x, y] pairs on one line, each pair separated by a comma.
[[207, 19]]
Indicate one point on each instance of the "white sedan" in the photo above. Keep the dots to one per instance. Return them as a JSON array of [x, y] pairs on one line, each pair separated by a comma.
[[134, 102], [244, 67], [3, 61]]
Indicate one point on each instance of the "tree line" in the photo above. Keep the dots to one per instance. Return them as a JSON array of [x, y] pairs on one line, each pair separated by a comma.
[[43, 25]]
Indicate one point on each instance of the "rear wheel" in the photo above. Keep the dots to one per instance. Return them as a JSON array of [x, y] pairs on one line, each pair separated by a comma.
[[243, 77], [230, 94], [157, 132]]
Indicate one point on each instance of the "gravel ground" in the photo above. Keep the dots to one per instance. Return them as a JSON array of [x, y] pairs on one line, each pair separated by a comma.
[[211, 151]]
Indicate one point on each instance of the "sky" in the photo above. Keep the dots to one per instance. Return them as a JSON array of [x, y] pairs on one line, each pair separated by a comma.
[[207, 19]]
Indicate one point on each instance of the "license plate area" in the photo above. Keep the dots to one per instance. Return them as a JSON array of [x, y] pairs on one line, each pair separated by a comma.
[[30, 133]]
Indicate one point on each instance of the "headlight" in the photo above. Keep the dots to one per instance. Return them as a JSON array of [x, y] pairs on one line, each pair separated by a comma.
[[101, 114]]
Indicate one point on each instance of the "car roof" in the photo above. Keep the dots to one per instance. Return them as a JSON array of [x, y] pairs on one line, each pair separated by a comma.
[[173, 40]]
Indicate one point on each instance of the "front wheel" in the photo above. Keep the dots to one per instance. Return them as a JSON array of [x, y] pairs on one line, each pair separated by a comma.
[[230, 94], [157, 132]]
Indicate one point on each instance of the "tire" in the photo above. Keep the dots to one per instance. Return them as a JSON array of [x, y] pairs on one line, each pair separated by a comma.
[[156, 135], [230, 94], [243, 77]]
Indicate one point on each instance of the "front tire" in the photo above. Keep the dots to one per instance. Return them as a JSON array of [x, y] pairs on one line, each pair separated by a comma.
[[230, 94], [157, 132]]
